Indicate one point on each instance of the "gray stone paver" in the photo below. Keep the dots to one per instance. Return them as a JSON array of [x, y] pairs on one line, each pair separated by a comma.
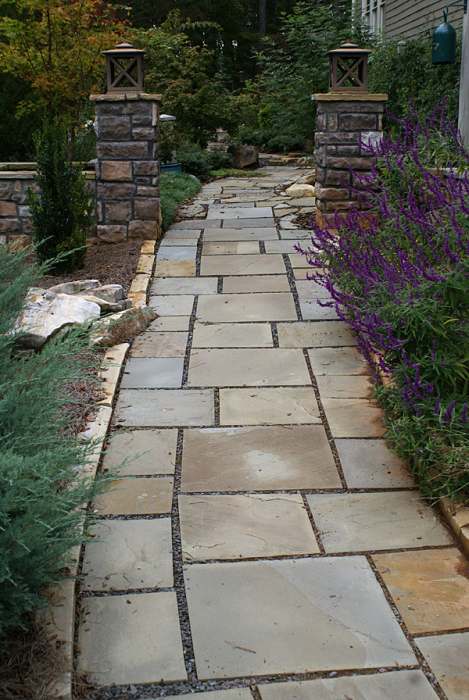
[[225, 403]]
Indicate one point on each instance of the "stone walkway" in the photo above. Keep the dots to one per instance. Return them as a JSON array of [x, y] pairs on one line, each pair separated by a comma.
[[262, 543]]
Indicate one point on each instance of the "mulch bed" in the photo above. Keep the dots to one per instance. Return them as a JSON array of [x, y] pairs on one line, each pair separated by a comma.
[[110, 263]]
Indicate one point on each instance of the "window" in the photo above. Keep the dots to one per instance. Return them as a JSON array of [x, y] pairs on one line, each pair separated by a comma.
[[373, 15]]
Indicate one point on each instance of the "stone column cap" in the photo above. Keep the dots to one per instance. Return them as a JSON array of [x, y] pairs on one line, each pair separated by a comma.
[[350, 97], [125, 97]]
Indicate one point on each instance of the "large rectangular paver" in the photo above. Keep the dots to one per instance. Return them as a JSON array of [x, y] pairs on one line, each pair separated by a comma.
[[295, 616], [170, 323], [230, 694], [258, 459], [253, 283], [134, 496], [371, 464], [315, 334], [131, 639], [230, 248], [354, 522], [223, 212], [244, 526], [348, 386], [354, 418], [241, 265], [169, 344], [248, 367], [153, 373], [172, 305], [184, 285], [141, 452], [411, 685], [223, 308], [232, 335], [128, 554], [146, 408], [447, 655], [246, 234], [430, 588], [268, 406], [337, 361]]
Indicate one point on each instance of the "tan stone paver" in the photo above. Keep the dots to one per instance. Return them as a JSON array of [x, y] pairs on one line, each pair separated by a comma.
[[447, 655], [256, 518], [256, 525]]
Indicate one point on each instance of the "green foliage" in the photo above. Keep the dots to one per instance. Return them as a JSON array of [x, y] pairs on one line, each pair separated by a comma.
[[199, 162], [61, 209], [235, 172], [175, 189], [39, 494], [405, 72]]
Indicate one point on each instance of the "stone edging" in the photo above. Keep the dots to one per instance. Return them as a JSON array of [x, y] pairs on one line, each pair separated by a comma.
[[59, 616]]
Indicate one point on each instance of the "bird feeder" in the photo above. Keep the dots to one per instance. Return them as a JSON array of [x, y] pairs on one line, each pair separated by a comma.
[[444, 42], [124, 68], [348, 68]]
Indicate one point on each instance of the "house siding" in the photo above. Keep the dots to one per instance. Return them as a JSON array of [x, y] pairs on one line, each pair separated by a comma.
[[409, 19]]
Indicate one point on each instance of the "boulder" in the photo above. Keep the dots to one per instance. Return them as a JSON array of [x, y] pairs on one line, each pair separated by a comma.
[[107, 307], [110, 292], [300, 190], [117, 328], [245, 156], [46, 312], [75, 287]]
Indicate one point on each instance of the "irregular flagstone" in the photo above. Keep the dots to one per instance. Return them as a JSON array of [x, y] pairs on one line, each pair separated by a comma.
[[255, 234], [430, 588], [323, 334], [447, 655], [247, 367], [268, 306], [232, 335], [371, 464], [153, 372], [356, 522], [257, 459], [411, 685], [148, 408], [134, 496], [241, 264], [295, 616], [128, 554], [141, 452], [268, 406], [185, 285], [262, 283], [150, 621], [243, 526], [160, 345]]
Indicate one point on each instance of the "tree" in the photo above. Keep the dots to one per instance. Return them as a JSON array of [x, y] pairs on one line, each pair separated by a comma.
[[55, 48]]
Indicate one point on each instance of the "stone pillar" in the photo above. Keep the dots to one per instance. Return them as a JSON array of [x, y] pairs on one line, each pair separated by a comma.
[[127, 166], [344, 120]]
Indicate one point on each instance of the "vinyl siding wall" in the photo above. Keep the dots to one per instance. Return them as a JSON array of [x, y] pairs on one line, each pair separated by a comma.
[[409, 18]]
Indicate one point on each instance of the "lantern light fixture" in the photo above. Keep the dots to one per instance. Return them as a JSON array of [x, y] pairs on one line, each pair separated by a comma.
[[348, 68], [124, 68]]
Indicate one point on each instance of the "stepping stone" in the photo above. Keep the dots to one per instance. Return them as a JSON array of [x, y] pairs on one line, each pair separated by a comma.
[[224, 212], [411, 685], [262, 283], [170, 323], [160, 345], [430, 588], [131, 639], [236, 234], [231, 527], [184, 285], [268, 406], [141, 408], [146, 496], [268, 306], [345, 387], [141, 452], [354, 418], [292, 616], [241, 264], [173, 305], [232, 335], [356, 522], [129, 554], [175, 268], [323, 334], [230, 248], [447, 655], [152, 373], [258, 459], [369, 464], [247, 367]]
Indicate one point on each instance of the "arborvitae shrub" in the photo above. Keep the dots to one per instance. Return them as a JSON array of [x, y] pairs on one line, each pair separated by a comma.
[[61, 211]]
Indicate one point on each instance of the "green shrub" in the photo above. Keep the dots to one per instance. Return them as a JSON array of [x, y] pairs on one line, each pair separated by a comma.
[[39, 458], [175, 189], [199, 162], [61, 211]]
